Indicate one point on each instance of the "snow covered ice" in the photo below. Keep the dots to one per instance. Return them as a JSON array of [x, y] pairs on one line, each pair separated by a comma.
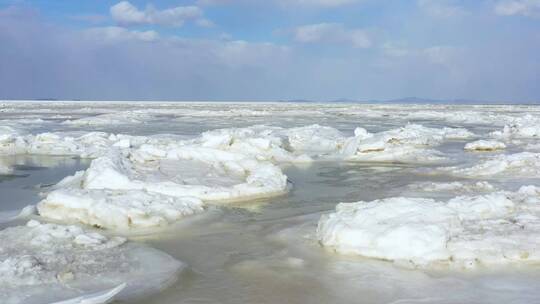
[[440, 203], [485, 145], [487, 229], [44, 263], [523, 164]]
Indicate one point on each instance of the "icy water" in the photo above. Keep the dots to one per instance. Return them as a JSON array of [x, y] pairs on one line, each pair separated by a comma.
[[265, 250], [31, 175]]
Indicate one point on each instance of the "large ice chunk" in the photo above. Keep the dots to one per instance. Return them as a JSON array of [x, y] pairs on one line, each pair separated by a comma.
[[527, 126], [496, 228], [393, 229], [407, 144], [485, 145], [154, 186], [117, 209], [44, 263]]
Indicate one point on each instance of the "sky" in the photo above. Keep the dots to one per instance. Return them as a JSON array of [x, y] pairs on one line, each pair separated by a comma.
[[483, 50]]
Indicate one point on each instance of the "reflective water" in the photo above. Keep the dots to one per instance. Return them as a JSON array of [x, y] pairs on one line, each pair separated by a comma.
[[31, 175]]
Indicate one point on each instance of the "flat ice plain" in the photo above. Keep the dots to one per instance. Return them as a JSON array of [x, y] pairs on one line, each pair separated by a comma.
[[163, 202]]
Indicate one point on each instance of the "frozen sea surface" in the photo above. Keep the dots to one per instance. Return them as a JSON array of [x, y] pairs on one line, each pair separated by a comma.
[[265, 248]]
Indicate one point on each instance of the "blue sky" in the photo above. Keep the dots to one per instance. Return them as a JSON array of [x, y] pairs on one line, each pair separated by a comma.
[[270, 50]]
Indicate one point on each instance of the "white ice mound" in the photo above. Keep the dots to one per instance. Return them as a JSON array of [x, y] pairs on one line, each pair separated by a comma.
[[10, 141], [205, 173], [524, 164], [392, 229], [153, 187], [303, 144], [406, 144], [496, 228], [275, 144], [115, 209], [89, 145], [485, 145], [45, 263], [527, 126], [314, 139]]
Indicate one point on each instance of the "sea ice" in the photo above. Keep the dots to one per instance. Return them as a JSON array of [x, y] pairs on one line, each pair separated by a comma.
[[114, 209], [496, 228], [44, 263], [147, 181], [88, 145], [485, 145], [406, 144], [524, 164], [100, 297], [152, 187], [259, 142], [527, 126], [9, 141], [124, 117]]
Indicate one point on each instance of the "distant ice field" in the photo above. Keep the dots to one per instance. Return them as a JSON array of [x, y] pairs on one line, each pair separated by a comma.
[[269, 203]]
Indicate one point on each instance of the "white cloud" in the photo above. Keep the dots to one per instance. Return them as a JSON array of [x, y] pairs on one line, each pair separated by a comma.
[[518, 7], [441, 8], [391, 49], [440, 55], [115, 34], [203, 22], [332, 33], [125, 13]]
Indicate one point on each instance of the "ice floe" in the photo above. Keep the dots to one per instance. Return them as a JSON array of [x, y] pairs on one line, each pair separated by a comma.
[[88, 145], [527, 126], [485, 145], [523, 164], [152, 187], [117, 209], [10, 141], [46, 263], [466, 231], [406, 144], [276, 144], [259, 142]]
